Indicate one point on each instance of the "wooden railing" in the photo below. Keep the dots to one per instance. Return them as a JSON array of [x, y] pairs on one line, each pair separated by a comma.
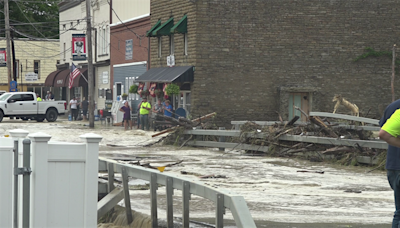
[[222, 199]]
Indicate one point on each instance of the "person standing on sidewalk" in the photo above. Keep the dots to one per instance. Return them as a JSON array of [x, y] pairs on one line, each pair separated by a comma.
[[73, 104], [126, 109], [145, 108], [85, 106], [390, 132]]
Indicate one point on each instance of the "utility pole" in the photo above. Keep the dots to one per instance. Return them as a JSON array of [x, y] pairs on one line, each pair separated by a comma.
[[90, 65], [8, 51], [14, 66]]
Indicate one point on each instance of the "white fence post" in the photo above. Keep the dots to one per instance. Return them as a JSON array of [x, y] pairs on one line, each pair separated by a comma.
[[6, 174], [91, 178], [19, 135], [39, 185]]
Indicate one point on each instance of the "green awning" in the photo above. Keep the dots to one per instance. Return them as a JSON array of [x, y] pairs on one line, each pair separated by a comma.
[[153, 28], [164, 29], [181, 26]]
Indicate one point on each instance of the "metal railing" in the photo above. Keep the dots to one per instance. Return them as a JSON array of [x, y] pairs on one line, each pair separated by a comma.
[[222, 199]]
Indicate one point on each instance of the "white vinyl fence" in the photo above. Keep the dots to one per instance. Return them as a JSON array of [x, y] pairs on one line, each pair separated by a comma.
[[63, 188]]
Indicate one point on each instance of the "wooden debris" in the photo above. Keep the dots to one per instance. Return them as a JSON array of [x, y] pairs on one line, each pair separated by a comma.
[[292, 121], [337, 149], [212, 176], [316, 120], [304, 113], [164, 131], [310, 171]]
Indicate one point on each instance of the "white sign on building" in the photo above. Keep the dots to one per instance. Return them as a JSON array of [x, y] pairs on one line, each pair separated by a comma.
[[171, 60], [31, 76], [105, 77]]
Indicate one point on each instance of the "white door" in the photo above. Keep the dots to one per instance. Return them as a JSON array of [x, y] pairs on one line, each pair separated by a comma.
[[15, 105], [29, 104]]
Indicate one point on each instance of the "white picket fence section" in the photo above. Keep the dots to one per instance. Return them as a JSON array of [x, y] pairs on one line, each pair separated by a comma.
[[6, 177], [63, 181]]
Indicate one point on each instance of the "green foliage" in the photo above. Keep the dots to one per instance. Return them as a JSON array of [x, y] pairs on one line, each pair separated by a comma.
[[124, 95], [133, 89], [173, 89], [372, 53], [42, 13]]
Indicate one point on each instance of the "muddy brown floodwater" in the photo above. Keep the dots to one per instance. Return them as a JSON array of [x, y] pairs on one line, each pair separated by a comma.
[[276, 193]]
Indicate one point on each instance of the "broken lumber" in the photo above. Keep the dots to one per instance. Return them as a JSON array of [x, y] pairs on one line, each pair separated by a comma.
[[164, 131], [292, 121], [316, 120], [205, 117], [304, 113]]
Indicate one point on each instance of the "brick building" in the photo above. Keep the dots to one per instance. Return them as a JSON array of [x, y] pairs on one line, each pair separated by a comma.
[[128, 45], [254, 58]]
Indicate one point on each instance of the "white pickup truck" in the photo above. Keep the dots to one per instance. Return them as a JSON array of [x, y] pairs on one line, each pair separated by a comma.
[[24, 105]]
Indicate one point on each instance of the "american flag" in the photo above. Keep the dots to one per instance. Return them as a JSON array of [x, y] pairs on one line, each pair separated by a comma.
[[74, 73]]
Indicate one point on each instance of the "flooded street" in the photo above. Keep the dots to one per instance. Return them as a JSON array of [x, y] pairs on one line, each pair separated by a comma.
[[277, 194]]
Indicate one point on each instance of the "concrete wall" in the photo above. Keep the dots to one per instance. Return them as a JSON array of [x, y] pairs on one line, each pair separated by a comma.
[[249, 55]]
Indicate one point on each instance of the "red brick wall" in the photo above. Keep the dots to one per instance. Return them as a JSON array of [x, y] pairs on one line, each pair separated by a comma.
[[120, 33]]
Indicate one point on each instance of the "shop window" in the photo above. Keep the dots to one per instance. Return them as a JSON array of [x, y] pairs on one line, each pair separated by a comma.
[[185, 44], [36, 67], [17, 68], [159, 47], [171, 44]]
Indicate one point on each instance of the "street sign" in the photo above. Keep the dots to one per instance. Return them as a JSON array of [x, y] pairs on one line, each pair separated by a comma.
[[13, 86], [31, 76]]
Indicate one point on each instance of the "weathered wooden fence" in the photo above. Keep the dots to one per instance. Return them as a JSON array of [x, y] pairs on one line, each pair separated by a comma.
[[63, 189]]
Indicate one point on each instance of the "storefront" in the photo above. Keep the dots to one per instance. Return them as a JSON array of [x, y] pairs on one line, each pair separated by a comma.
[[59, 83], [182, 76]]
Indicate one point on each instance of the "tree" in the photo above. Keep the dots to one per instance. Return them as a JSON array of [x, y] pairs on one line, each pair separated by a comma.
[[33, 18]]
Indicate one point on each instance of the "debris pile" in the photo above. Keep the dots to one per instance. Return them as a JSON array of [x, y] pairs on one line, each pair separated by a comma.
[[317, 127]]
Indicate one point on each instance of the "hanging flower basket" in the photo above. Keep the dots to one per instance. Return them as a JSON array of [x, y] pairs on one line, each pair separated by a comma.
[[124, 96], [158, 92], [172, 89], [133, 89], [145, 93]]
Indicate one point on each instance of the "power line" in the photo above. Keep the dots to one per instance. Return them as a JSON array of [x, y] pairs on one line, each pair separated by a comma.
[[29, 20], [44, 57], [110, 45], [138, 36]]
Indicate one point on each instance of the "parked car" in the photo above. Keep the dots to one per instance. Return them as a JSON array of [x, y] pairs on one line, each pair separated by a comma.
[[25, 106]]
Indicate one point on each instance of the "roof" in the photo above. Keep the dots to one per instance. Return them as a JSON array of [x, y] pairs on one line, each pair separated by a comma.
[[168, 74]]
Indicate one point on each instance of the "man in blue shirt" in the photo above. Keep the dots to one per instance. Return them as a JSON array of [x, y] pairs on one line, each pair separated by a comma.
[[393, 155]]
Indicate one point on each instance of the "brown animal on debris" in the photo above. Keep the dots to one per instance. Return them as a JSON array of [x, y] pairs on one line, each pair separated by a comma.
[[341, 101]]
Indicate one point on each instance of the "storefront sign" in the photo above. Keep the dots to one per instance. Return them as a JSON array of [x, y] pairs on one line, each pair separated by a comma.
[[3, 57], [128, 49], [60, 82], [31, 76], [78, 47]]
